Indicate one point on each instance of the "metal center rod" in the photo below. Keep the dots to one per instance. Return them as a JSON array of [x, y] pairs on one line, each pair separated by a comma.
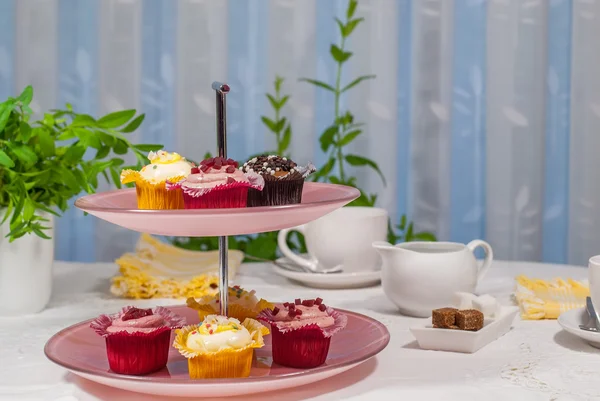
[[221, 90]]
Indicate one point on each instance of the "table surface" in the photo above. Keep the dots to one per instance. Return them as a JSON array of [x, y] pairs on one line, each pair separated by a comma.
[[536, 360]]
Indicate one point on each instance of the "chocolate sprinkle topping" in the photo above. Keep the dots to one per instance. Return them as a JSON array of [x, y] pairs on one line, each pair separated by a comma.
[[269, 165]]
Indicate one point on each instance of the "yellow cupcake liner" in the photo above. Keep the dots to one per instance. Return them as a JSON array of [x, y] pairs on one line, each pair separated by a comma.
[[236, 311], [227, 363], [153, 195]]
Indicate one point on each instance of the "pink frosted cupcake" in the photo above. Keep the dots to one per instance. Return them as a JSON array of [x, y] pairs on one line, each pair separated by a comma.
[[217, 183], [301, 332], [137, 340]]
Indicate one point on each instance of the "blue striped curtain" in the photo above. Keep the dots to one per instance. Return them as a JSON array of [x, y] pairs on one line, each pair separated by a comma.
[[482, 117]]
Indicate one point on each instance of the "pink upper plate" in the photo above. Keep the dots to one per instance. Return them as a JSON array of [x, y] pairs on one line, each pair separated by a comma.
[[79, 349], [120, 207]]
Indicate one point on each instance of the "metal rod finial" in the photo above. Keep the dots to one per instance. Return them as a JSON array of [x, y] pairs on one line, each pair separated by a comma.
[[220, 87]]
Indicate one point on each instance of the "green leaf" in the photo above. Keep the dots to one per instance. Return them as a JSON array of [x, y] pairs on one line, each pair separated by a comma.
[[26, 96], [102, 152], [355, 160], [133, 125], [351, 8], [84, 120], [287, 138], [5, 160], [342, 27], [25, 131], [326, 138], [409, 233], [66, 135], [28, 210], [338, 54], [278, 81], [269, 123], [40, 233], [74, 154], [115, 177], [5, 115], [402, 224], [352, 24], [68, 178], [320, 84], [273, 101], [116, 119], [326, 169], [120, 148], [24, 153], [7, 213], [357, 81], [18, 208], [106, 139], [345, 119], [46, 143], [349, 137], [283, 101], [280, 124], [148, 147], [88, 138], [424, 236]]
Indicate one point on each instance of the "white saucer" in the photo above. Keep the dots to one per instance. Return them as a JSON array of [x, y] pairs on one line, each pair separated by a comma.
[[465, 341], [328, 281], [570, 321]]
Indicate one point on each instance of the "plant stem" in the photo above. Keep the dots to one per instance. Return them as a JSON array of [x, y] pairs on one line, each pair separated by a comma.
[[337, 112]]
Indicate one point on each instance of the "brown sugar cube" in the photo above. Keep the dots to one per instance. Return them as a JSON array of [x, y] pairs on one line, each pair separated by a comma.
[[470, 319], [443, 318]]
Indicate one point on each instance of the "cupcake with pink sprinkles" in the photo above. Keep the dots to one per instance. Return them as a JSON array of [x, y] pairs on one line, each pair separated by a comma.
[[301, 331], [217, 183], [137, 340]]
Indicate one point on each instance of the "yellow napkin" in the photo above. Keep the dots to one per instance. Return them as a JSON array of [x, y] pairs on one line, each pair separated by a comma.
[[540, 299], [160, 270]]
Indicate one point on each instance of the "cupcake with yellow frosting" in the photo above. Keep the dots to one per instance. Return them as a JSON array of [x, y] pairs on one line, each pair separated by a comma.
[[150, 181], [220, 347], [242, 304]]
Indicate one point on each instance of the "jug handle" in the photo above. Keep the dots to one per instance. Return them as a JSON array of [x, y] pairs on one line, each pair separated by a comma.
[[489, 256]]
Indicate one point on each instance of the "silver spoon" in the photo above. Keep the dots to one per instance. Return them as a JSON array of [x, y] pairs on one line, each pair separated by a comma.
[[298, 268], [593, 319]]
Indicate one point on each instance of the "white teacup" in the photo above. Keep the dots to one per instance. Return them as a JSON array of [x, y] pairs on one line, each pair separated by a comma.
[[341, 238], [594, 277]]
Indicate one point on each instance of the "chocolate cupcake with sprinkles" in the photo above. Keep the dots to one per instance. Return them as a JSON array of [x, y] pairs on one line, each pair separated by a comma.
[[283, 180]]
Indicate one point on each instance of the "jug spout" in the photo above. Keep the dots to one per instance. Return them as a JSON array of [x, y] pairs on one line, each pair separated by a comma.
[[386, 249]]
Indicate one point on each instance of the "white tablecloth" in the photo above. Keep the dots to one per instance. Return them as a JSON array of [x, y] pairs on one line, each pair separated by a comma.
[[534, 361]]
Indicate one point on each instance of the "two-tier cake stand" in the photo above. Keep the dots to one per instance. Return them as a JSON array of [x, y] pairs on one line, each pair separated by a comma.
[[80, 350]]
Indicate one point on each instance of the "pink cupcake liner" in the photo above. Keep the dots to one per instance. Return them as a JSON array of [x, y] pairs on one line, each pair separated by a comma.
[[305, 346], [137, 353], [232, 195]]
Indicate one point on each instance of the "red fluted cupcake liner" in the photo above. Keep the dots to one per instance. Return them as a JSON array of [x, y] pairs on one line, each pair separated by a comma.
[[230, 195], [137, 353], [303, 347]]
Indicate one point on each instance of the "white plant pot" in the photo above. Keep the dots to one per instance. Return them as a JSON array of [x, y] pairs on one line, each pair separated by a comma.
[[25, 271]]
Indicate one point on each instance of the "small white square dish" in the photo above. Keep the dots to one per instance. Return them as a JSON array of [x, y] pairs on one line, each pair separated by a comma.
[[465, 341]]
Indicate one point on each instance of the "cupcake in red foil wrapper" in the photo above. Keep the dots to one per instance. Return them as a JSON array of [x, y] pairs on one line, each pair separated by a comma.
[[137, 340], [283, 178], [217, 183], [301, 332]]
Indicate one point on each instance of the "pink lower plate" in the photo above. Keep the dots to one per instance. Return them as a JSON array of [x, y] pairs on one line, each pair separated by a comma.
[[80, 350], [120, 207]]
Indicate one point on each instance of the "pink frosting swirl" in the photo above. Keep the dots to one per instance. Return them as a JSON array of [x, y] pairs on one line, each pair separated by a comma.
[[144, 324], [213, 177], [310, 315]]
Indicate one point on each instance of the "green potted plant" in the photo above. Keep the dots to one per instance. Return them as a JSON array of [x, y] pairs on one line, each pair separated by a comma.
[[43, 164]]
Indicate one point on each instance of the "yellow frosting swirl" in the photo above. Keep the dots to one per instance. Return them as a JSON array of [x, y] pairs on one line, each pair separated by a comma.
[[218, 333], [163, 157]]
